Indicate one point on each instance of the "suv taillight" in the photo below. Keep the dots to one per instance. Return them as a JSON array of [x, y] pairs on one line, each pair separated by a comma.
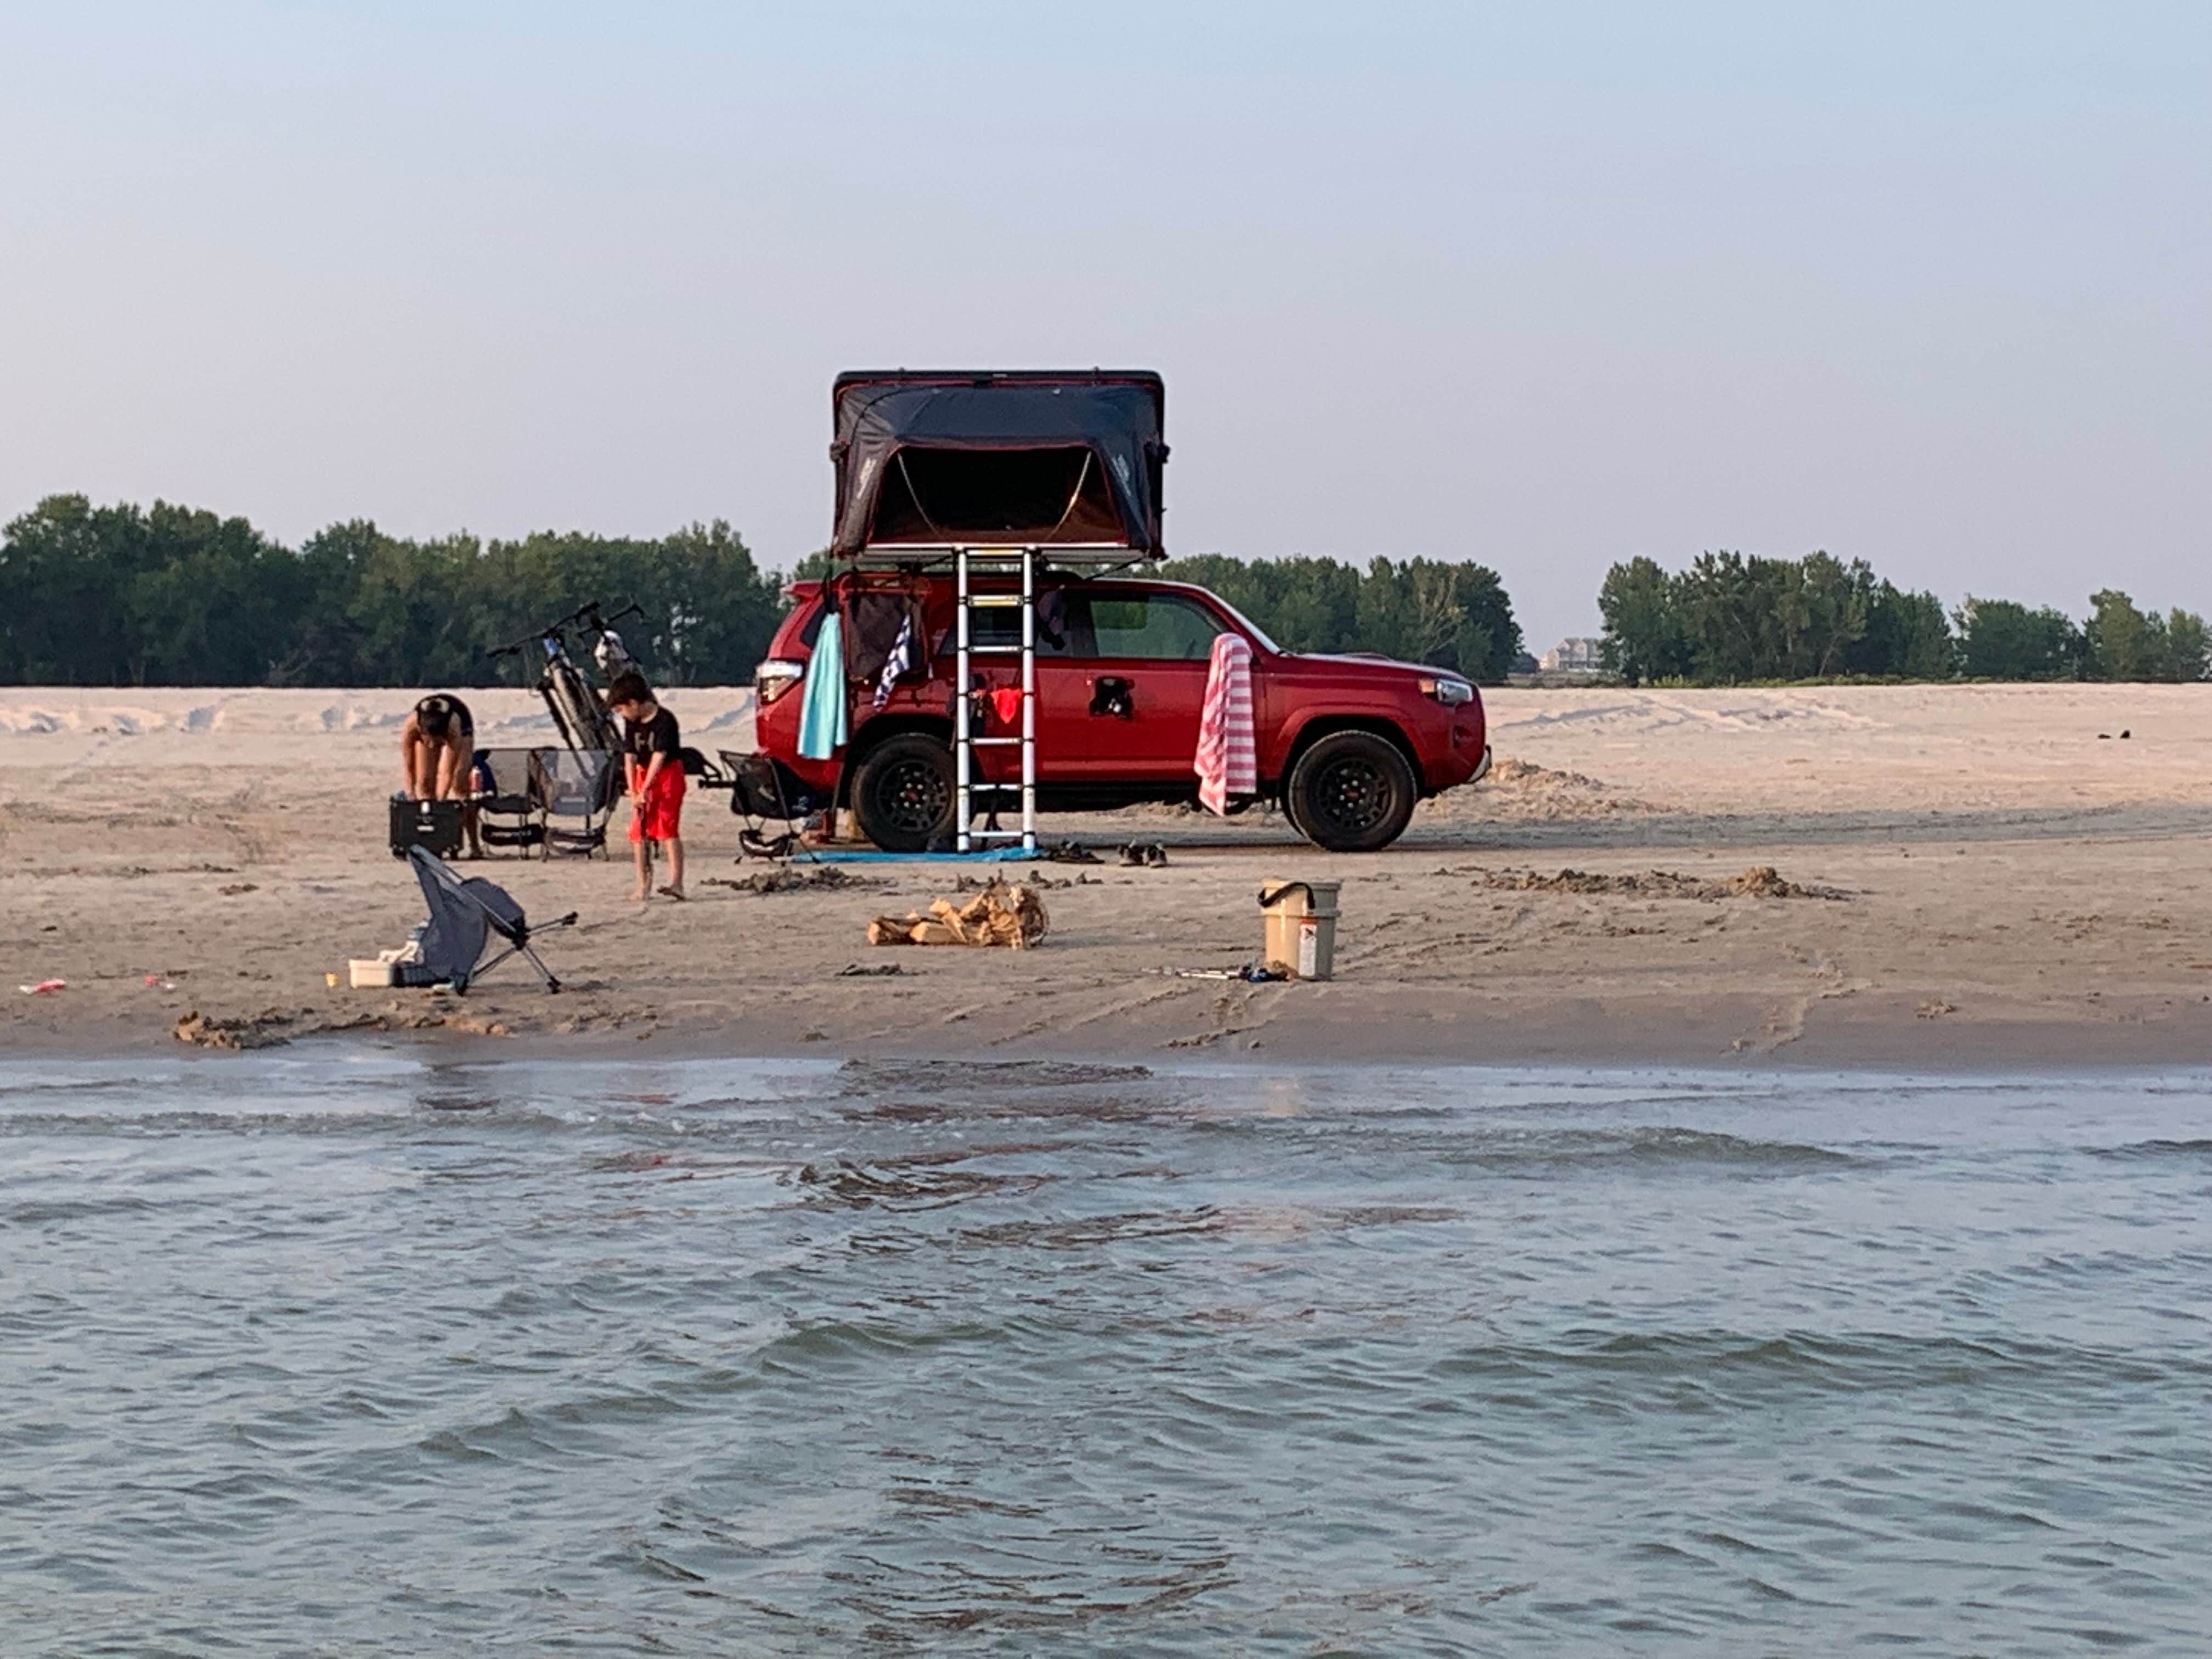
[[775, 676]]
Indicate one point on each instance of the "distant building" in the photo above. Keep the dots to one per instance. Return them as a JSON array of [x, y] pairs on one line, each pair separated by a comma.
[[1572, 657]]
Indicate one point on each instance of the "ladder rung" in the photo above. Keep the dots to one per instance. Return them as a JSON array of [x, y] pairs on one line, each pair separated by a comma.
[[994, 743], [996, 835], [994, 601], [996, 789]]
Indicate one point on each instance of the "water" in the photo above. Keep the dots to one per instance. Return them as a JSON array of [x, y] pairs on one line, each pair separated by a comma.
[[351, 1354]]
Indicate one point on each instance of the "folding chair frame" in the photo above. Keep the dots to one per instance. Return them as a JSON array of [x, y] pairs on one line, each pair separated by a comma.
[[515, 930]]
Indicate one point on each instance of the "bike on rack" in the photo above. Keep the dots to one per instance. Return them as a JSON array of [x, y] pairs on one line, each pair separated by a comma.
[[579, 707], [580, 713]]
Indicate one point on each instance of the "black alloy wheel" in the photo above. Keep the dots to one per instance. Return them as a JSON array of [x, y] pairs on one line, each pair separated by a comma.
[[903, 793], [1352, 792]]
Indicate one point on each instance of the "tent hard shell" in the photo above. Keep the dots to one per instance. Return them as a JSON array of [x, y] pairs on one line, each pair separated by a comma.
[[941, 458]]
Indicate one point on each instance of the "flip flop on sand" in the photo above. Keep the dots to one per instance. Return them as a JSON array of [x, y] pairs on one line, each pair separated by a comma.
[[670, 892]]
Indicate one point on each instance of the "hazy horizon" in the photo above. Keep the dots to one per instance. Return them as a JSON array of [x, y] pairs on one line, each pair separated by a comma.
[[1545, 290]]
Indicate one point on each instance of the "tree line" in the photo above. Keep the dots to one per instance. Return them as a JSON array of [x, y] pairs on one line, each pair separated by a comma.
[[1434, 612], [175, 596], [1729, 618], [170, 595]]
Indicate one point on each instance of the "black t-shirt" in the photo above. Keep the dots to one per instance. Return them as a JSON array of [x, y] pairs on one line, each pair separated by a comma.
[[646, 738], [463, 724]]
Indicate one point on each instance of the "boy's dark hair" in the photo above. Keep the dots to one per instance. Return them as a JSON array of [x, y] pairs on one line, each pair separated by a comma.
[[628, 687]]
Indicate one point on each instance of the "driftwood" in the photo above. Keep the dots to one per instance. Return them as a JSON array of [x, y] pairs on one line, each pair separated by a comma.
[[1000, 914]]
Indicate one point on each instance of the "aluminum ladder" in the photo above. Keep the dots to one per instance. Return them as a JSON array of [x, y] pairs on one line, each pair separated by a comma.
[[966, 740]]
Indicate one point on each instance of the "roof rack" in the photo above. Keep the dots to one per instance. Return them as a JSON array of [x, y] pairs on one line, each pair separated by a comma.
[[1073, 556]]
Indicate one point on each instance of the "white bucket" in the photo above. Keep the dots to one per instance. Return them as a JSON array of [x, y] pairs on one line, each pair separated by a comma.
[[1300, 926]]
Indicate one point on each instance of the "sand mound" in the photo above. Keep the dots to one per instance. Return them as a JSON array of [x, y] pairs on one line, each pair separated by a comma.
[[1528, 790], [1761, 881], [791, 878]]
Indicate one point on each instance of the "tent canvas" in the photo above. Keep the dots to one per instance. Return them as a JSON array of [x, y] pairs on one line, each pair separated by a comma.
[[928, 459]]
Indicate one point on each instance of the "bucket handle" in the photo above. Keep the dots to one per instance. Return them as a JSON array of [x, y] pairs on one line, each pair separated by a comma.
[[1271, 896]]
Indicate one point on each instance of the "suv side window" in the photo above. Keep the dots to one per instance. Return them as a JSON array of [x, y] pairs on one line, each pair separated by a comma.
[[1000, 626], [1160, 627]]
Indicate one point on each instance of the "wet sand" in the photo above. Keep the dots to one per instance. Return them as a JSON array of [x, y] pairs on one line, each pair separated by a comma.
[[2013, 890]]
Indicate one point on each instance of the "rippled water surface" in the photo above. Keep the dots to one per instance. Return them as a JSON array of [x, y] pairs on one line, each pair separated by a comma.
[[357, 1354]]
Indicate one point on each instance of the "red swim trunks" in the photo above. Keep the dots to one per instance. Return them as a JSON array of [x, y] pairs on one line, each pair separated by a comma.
[[659, 810]]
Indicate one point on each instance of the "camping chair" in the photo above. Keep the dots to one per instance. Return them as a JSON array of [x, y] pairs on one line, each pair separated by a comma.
[[760, 792], [582, 787], [464, 913], [511, 811]]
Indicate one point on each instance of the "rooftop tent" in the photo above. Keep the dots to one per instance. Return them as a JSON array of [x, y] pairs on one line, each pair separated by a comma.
[[999, 458]]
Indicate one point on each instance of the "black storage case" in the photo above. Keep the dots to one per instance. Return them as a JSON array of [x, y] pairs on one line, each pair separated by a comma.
[[433, 826]]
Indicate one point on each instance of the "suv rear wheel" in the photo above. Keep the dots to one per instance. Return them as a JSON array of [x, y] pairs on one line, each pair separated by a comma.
[[1352, 792], [903, 793]]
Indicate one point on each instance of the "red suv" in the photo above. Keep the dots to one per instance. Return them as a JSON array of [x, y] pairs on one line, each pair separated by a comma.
[[1348, 744]]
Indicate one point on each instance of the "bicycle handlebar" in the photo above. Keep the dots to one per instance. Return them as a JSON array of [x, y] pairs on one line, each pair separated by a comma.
[[585, 613], [590, 613]]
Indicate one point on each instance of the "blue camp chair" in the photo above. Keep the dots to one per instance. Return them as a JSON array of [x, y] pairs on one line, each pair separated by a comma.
[[465, 913]]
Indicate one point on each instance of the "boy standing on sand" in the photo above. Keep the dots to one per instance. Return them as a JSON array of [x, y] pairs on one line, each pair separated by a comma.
[[656, 782]]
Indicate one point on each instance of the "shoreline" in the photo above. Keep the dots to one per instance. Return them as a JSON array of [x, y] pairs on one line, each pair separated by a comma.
[[1999, 1060], [1881, 1036]]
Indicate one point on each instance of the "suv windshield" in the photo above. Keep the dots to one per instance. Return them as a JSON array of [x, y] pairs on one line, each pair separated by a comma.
[[1258, 634]]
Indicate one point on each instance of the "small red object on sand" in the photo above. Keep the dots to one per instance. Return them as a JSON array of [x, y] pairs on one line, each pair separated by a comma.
[[43, 987]]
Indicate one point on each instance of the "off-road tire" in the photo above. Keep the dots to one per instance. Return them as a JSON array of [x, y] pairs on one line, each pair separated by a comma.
[[903, 793], [1352, 792]]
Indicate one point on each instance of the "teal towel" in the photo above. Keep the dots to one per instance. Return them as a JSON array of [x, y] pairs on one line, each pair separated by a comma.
[[821, 710]]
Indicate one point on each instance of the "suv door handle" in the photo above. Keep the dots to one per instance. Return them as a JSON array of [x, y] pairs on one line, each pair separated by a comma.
[[1113, 698]]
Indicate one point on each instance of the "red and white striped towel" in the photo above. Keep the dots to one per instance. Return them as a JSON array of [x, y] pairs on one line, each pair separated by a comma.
[[1227, 762]]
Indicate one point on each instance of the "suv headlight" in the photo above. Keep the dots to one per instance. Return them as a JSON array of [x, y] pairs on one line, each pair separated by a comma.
[[775, 676], [1450, 693]]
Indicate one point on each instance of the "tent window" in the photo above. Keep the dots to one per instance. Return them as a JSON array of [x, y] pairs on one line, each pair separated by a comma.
[[996, 496]]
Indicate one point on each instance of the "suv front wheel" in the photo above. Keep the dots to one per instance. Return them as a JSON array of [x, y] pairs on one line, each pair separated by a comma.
[[903, 793], [1352, 792]]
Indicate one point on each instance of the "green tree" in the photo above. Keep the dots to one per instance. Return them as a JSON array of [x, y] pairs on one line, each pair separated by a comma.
[[2190, 651], [1644, 639], [1907, 636], [1726, 603], [2121, 643], [64, 566], [2001, 640]]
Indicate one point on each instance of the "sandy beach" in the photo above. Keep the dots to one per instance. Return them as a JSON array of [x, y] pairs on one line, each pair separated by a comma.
[[1993, 877]]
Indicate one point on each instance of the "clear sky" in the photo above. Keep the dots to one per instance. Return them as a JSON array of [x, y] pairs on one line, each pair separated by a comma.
[[1542, 284]]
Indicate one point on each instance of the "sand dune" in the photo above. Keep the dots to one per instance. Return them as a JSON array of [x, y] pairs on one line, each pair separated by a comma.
[[2022, 884], [297, 726]]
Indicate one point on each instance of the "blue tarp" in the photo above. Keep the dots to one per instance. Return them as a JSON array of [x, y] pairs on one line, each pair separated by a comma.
[[995, 855]]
